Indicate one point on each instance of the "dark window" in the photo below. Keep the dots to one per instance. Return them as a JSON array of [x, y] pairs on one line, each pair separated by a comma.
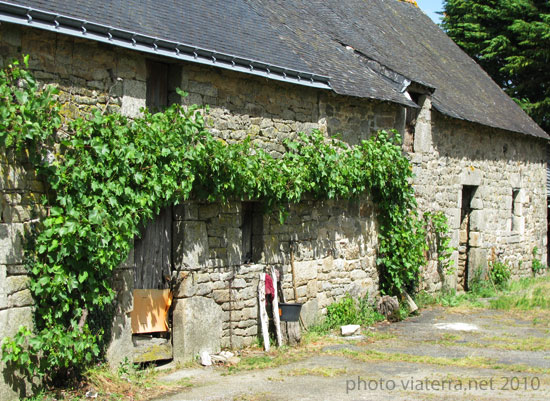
[[252, 230], [157, 86]]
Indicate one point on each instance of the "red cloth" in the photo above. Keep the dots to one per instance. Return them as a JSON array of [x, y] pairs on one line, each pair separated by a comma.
[[269, 289]]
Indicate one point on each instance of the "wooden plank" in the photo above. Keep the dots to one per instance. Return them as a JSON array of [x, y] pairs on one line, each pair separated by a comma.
[[276, 317], [150, 312], [153, 253], [263, 311]]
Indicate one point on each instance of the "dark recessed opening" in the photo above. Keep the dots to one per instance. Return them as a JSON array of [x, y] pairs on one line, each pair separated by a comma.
[[157, 86], [464, 273], [411, 115], [415, 96], [252, 232], [515, 193], [162, 81]]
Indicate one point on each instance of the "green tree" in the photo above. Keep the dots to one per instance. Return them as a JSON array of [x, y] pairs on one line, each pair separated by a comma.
[[510, 39]]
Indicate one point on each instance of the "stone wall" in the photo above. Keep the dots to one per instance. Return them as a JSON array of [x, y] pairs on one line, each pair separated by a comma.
[[507, 172], [19, 209], [215, 283], [334, 251], [269, 112]]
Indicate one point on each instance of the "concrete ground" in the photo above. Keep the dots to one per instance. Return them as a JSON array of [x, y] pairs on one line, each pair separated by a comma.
[[441, 354]]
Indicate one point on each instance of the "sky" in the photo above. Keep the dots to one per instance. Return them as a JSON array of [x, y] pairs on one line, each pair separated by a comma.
[[430, 7]]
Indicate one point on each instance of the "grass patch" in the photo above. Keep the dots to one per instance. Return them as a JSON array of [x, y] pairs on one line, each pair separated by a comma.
[[253, 397], [316, 371], [525, 294], [312, 343], [447, 340], [519, 344], [374, 336], [496, 342], [450, 298], [255, 359], [450, 337], [466, 362], [258, 362]]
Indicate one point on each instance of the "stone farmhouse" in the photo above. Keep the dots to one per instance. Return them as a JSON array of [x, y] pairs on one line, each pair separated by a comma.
[[269, 70]]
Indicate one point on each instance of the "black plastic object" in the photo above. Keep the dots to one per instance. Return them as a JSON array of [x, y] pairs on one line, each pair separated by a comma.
[[289, 312]]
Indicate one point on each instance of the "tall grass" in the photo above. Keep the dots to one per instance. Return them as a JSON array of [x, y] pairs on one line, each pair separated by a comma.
[[524, 294]]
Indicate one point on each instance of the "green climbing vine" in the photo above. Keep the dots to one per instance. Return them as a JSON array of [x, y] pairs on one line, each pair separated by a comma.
[[109, 174], [436, 224]]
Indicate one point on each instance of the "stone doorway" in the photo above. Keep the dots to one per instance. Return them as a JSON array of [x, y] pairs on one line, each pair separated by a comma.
[[151, 320], [468, 192]]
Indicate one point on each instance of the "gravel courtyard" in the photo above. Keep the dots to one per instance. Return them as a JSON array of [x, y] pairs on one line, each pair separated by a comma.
[[441, 354]]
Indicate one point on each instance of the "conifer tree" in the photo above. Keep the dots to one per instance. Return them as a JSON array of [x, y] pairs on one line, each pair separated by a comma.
[[510, 39]]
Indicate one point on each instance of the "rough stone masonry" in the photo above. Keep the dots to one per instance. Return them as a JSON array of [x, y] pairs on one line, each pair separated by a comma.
[[334, 241]]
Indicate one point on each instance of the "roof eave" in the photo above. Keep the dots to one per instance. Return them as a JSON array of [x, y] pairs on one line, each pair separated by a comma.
[[539, 133], [71, 26]]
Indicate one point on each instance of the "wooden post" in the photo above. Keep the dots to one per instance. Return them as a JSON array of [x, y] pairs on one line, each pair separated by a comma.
[[276, 317], [263, 311], [293, 272], [293, 328], [294, 281]]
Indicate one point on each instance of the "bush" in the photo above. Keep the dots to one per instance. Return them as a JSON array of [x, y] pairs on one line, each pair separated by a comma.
[[537, 265], [349, 311], [500, 274]]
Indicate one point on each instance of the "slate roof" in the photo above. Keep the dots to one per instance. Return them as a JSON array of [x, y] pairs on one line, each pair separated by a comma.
[[366, 48]]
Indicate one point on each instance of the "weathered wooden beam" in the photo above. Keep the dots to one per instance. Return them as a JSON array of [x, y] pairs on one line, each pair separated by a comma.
[[276, 317], [263, 311]]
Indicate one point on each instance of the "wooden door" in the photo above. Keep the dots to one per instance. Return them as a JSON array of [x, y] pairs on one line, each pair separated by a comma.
[[153, 253]]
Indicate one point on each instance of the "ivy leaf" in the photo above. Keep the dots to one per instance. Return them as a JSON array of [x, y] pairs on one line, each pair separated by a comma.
[[82, 276], [56, 211], [95, 217]]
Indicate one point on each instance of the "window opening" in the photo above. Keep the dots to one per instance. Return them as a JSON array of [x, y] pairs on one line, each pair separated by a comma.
[[468, 192], [157, 86], [515, 193], [411, 115], [252, 230]]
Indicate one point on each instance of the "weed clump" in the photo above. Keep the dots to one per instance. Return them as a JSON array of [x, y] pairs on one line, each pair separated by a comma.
[[348, 311], [500, 274]]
